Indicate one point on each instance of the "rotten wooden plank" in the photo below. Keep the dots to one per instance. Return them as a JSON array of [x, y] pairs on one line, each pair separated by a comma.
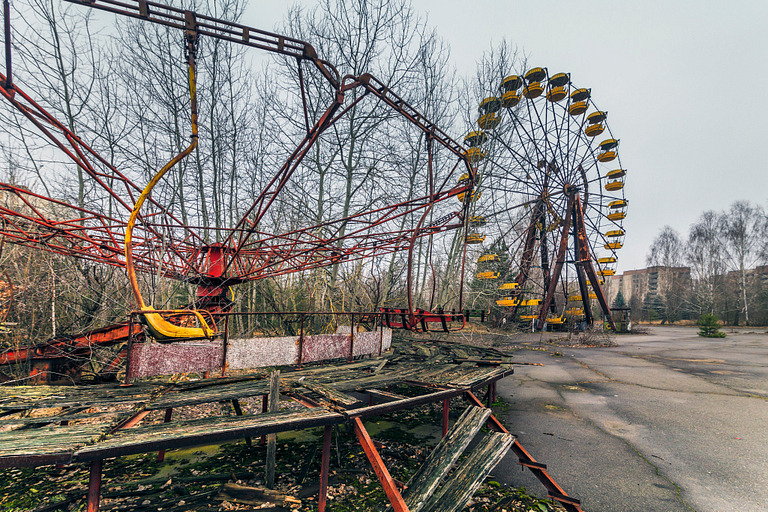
[[426, 480], [457, 490], [212, 393], [474, 375], [57, 418], [384, 396], [180, 434], [328, 392], [39, 397], [46, 445], [408, 403]]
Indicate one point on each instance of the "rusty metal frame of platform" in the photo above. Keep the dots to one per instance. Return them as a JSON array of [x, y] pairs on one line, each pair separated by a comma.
[[324, 391]]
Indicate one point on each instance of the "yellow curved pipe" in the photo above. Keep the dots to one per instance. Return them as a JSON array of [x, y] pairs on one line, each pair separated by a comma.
[[161, 328]]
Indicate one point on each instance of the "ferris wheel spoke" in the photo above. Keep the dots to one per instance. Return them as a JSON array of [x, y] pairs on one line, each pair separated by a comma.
[[544, 155]]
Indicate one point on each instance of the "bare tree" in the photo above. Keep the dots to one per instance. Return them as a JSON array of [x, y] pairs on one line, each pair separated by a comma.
[[370, 158], [744, 231], [706, 257]]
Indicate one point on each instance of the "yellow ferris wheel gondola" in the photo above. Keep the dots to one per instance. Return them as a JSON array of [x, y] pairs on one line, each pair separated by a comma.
[[488, 108], [477, 221], [533, 88], [556, 87], [615, 180], [547, 157], [487, 258], [476, 138], [475, 238], [617, 209], [510, 87], [579, 102], [595, 124]]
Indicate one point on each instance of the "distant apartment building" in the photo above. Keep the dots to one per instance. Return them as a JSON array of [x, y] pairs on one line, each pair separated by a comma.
[[641, 282]]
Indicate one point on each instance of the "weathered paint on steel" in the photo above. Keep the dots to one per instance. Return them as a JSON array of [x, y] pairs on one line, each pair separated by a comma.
[[325, 346], [336, 346], [368, 342], [263, 352], [150, 359]]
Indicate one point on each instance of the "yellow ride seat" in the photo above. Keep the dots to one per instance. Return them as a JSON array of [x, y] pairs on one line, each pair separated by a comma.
[[163, 330]]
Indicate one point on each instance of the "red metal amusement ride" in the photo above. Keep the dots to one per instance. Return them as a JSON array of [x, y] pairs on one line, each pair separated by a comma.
[[145, 234]]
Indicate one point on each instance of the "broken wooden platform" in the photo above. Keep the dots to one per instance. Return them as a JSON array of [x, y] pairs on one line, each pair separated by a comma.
[[62, 425]]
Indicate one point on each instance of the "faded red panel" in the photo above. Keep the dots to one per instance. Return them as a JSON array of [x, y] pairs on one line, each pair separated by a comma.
[[325, 346], [149, 359], [366, 343], [387, 339], [261, 352]]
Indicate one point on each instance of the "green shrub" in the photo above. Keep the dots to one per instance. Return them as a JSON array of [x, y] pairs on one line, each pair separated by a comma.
[[709, 327]]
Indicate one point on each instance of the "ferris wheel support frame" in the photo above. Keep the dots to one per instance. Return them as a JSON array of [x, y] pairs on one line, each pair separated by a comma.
[[525, 263], [583, 263]]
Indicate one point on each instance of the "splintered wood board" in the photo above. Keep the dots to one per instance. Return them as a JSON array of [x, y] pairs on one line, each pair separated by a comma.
[[203, 431]]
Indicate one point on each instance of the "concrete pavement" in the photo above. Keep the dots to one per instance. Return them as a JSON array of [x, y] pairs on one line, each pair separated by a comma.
[[664, 422]]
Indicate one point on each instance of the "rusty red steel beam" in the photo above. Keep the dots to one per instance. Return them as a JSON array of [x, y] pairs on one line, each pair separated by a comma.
[[561, 254], [381, 91], [585, 260], [219, 29], [131, 421], [387, 482], [324, 468], [527, 258], [63, 347], [94, 485], [525, 459]]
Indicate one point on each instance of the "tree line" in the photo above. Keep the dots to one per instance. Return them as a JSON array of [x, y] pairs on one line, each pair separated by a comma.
[[727, 253]]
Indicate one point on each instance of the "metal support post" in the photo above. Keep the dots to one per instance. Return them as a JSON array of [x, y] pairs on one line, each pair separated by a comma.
[[322, 498], [387, 482], [239, 412], [94, 485], [167, 419], [264, 405]]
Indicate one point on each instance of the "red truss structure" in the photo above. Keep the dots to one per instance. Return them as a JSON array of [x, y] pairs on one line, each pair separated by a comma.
[[162, 242]]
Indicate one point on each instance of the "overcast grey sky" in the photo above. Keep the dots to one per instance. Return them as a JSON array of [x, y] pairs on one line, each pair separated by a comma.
[[684, 83]]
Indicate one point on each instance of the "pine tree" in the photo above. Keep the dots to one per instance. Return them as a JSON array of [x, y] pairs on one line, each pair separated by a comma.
[[709, 327]]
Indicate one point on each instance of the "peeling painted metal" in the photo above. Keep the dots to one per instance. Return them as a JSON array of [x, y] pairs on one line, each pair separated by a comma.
[[262, 352], [151, 359]]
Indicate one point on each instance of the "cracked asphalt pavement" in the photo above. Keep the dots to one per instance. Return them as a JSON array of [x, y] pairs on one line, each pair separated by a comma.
[[667, 422]]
